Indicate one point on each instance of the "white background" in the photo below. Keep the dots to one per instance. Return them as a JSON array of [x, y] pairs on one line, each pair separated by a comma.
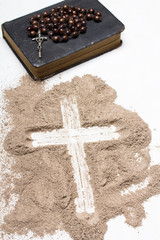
[[133, 70]]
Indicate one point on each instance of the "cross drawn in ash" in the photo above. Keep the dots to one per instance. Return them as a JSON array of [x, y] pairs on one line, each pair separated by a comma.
[[74, 136]]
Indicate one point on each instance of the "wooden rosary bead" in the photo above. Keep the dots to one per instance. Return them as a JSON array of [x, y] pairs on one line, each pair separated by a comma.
[[35, 27], [66, 16], [41, 21], [71, 22], [68, 32], [44, 30], [61, 20], [81, 15], [98, 14], [83, 29], [78, 9], [97, 18], [70, 10], [83, 23], [74, 12], [54, 20], [91, 10], [64, 38], [74, 29], [83, 10], [32, 33], [61, 31], [74, 16], [32, 19], [89, 16], [29, 28], [34, 22], [76, 20], [56, 39], [45, 14], [78, 25], [50, 33], [75, 34], [65, 7], [55, 31], [42, 25], [61, 12], [55, 14], [49, 26], [47, 20], [53, 10], [38, 16]]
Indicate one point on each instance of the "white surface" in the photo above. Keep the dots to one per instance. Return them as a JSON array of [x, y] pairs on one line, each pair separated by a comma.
[[132, 70]]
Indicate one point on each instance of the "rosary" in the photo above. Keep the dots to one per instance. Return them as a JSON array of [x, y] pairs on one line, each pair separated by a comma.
[[61, 24]]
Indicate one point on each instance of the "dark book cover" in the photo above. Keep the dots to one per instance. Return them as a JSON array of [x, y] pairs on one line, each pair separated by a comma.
[[52, 52]]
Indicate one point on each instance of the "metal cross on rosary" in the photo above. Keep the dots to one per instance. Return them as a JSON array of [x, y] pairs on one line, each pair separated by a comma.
[[39, 40]]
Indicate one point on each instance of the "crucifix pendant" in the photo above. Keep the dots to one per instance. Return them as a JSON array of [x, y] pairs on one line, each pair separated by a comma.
[[39, 40]]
